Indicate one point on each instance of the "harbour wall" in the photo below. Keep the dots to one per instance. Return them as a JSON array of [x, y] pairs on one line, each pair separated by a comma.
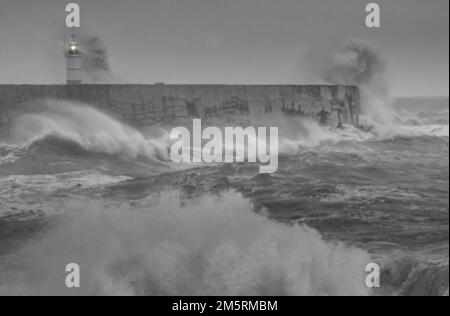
[[141, 105]]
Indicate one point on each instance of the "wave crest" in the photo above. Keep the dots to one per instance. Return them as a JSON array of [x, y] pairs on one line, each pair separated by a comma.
[[211, 246], [91, 129]]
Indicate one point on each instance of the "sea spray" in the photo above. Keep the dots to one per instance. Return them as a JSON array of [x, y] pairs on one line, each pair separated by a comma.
[[308, 191], [358, 63], [97, 132], [206, 246], [91, 129]]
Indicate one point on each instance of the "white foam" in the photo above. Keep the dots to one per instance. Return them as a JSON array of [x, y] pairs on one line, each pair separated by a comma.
[[91, 129], [211, 246]]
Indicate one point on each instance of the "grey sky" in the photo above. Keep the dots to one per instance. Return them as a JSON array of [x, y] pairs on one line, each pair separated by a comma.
[[227, 41]]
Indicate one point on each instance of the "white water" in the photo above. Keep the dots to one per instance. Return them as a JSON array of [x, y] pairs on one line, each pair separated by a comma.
[[210, 246], [207, 246], [89, 128], [97, 132]]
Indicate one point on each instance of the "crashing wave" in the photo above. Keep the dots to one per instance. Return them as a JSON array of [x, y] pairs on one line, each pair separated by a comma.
[[208, 246], [89, 128]]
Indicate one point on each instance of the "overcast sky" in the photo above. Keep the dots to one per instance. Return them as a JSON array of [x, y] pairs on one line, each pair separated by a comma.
[[227, 41]]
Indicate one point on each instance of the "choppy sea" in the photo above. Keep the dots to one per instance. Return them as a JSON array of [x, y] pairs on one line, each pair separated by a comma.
[[79, 186]]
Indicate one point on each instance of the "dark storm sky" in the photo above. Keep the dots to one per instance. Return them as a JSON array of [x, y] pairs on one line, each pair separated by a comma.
[[227, 41]]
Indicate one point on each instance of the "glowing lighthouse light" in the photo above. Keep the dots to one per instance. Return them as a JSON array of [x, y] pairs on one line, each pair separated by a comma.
[[73, 62], [73, 48]]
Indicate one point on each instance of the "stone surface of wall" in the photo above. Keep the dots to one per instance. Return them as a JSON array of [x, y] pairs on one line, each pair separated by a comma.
[[141, 105]]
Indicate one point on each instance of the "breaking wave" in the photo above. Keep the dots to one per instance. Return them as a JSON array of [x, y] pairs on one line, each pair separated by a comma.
[[89, 128], [206, 245], [79, 127], [209, 246]]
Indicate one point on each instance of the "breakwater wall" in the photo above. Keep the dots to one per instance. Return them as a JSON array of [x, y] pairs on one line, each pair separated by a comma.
[[141, 105]]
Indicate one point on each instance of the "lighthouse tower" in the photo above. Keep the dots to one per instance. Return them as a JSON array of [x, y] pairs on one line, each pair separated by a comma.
[[73, 62]]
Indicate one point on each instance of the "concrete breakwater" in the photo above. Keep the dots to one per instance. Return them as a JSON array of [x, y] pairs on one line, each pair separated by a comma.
[[141, 105]]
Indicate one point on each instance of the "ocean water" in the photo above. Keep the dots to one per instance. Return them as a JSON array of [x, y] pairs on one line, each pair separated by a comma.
[[78, 186]]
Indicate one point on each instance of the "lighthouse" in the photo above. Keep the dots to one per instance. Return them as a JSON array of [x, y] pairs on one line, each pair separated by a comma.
[[73, 62]]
